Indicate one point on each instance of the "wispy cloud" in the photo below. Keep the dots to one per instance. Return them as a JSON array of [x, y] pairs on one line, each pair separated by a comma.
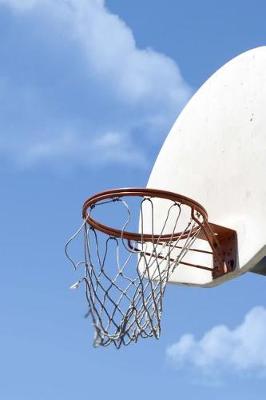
[[19, 4], [222, 350], [110, 147], [72, 78]]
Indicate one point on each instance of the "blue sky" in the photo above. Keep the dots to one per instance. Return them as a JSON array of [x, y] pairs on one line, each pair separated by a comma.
[[88, 92]]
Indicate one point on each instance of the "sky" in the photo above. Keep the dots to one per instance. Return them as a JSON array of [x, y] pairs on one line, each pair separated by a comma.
[[88, 92]]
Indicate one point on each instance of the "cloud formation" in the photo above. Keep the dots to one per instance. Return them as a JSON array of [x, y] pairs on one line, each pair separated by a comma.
[[221, 350], [72, 78]]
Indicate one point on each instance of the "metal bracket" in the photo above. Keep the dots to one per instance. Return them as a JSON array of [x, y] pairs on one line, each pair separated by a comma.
[[225, 254]]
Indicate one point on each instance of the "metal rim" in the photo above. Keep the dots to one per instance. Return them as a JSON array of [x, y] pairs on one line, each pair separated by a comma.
[[140, 192]]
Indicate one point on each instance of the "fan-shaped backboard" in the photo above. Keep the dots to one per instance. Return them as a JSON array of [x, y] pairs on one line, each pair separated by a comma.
[[216, 154]]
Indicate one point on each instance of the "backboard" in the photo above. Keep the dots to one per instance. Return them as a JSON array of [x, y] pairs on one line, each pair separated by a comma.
[[216, 154]]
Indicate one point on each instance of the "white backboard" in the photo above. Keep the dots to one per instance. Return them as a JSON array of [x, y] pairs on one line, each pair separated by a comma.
[[216, 154]]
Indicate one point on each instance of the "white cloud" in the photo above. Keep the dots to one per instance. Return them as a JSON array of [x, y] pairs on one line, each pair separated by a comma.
[[133, 93], [111, 49], [111, 147], [221, 349]]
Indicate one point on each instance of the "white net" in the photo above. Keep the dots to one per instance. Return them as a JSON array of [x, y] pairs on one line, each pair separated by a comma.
[[125, 279]]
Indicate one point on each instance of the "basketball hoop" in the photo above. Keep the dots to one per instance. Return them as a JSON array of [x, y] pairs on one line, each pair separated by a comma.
[[125, 272]]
